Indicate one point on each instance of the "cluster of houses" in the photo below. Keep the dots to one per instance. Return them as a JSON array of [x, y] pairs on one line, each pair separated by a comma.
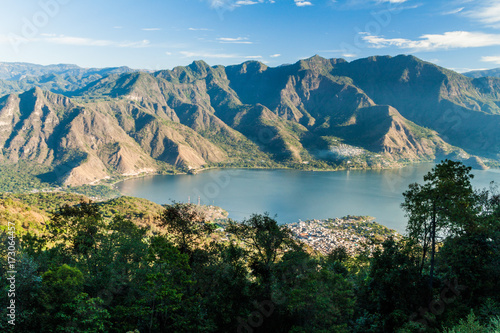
[[326, 235]]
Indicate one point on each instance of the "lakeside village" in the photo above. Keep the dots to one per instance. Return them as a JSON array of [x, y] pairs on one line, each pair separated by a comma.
[[354, 233], [350, 232]]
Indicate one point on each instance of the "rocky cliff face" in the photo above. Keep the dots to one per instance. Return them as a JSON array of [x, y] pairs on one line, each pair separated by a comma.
[[315, 111]]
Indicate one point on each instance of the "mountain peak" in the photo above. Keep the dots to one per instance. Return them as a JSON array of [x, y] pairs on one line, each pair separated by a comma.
[[199, 66], [316, 57], [250, 66], [318, 63], [37, 91]]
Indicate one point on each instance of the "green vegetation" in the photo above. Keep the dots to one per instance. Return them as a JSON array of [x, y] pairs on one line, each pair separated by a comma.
[[37, 207], [130, 207], [22, 177], [25, 218], [473, 325], [94, 191], [47, 202], [26, 177], [365, 226], [95, 268]]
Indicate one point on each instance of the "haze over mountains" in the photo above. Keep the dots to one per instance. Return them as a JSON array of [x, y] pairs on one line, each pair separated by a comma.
[[495, 72], [89, 124]]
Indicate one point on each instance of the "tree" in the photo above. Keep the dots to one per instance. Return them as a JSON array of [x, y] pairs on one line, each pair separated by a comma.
[[265, 240], [65, 307], [87, 315], [169, 305], [122, 270], [265, 243], [27, 291], [444, 204], [473, 257], [222, 282], [392, 290], [311, 295], [472, 325], [76, 227], [186, 223]]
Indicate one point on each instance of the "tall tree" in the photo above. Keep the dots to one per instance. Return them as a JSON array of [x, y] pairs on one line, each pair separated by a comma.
[[76, 227], [266, 241], [445, 203], [186, 223]]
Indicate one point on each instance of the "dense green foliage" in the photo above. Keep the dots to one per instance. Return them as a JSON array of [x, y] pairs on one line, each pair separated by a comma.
[[94, 270], [22, 177], [96, 191], [47, 202], [30, 211]]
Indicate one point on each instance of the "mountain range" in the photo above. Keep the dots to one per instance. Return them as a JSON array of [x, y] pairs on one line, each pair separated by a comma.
[[495, 72], [92, 124]]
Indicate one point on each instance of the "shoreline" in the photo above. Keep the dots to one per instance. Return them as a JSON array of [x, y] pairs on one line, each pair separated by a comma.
[[398, 165], [148, 174]]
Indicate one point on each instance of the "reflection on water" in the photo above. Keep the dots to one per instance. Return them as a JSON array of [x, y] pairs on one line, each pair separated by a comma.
[[294, 195]]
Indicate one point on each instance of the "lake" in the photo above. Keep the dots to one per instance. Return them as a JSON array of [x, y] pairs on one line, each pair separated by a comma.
[[294, 195]]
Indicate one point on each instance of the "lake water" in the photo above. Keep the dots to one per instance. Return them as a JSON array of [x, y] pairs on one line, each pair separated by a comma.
[[294, 195]]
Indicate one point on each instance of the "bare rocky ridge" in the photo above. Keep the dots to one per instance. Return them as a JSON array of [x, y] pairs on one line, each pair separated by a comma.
[[372, 112]]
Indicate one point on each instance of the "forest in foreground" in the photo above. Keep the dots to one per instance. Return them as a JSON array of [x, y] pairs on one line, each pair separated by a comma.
[[125, 268]]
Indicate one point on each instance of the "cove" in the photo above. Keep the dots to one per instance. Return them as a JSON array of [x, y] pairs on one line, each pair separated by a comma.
[[294, 195]]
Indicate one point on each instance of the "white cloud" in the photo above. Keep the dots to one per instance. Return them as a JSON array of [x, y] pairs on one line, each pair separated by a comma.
[[393, 1], [365, 4], [332, 51], [430, 42], [238, 40], [342, 52], [246, 2], [454, 11], [4, 39], [210, 55], [188, 54], [232, 4], [302, 3], [275, 55], [151, 29], [81, 41], [199, 29], [433, 60], [168, 53], [486, 12], [464, 70], [493, 59]]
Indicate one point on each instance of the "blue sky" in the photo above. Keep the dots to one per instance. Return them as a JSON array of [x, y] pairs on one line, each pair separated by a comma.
[[160, 34]]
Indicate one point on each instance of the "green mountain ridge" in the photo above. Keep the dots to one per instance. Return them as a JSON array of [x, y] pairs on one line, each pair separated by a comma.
[[317, 113], [20, 77]]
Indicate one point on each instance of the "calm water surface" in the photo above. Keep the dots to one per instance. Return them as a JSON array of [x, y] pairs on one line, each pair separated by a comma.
[[294, 195]]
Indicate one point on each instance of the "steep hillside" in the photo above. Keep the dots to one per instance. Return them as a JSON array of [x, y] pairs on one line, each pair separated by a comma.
[[388, 133], [92, 141], [324, 113], [464, 111]]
